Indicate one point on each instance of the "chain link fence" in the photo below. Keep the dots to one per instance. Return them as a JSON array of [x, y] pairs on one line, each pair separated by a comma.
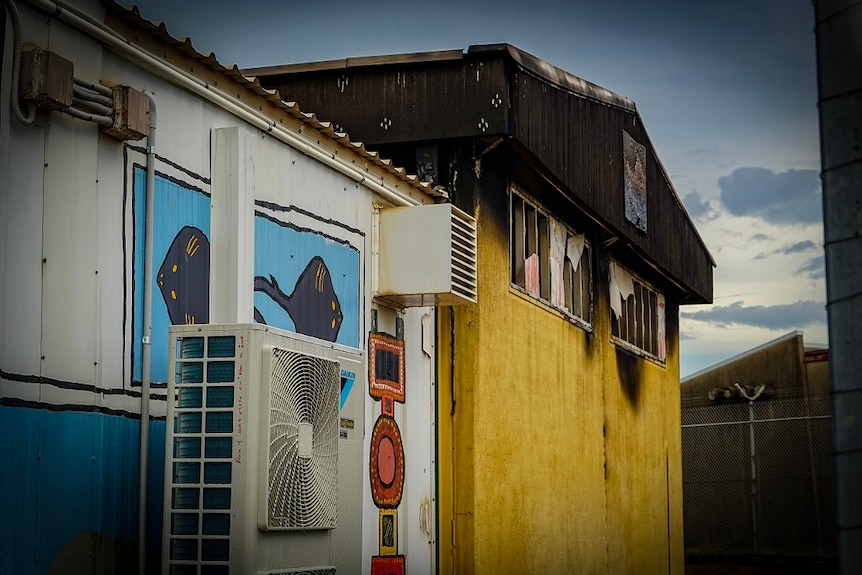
[[758, 479]]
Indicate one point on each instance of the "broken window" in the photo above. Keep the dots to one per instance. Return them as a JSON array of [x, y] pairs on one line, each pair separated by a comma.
[[549, 261], [637, 313]]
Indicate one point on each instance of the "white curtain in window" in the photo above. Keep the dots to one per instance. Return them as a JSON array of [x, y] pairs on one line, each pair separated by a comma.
[[558, 258], [621, 287], [574, 249]]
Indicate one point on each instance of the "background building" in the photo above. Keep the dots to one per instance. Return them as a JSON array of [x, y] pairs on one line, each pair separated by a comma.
[[758, 474], [558, 399]]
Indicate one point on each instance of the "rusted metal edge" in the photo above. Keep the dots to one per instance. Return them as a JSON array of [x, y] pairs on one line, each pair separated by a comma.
[[558, 76]]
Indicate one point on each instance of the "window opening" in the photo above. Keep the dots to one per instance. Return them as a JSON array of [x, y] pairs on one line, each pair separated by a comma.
[[548, 260], [637, 313]]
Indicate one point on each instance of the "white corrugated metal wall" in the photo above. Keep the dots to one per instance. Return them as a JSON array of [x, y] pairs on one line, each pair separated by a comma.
[[68, 302]]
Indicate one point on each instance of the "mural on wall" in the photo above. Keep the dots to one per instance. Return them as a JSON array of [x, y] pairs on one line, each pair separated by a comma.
[[184, 278], [393, 565], [388, 532], [181, 250], [385, 367], [313, 305], [386, 382], [387, 463], [634, 161], [321, 265]]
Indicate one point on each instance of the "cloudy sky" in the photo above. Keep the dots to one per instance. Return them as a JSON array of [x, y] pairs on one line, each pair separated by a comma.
[[727, 91]]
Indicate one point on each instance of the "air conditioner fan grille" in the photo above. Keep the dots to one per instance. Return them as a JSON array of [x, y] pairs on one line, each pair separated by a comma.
[[303, 441]]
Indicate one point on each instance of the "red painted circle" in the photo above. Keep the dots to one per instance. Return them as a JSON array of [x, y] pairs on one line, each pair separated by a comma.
[[386, 461]]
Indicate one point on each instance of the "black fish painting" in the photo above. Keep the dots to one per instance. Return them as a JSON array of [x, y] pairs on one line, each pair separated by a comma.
[[184, 278], [313, 306]]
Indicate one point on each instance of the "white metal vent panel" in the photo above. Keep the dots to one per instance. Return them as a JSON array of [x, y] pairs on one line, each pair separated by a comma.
[[220, 404], [427, 256]]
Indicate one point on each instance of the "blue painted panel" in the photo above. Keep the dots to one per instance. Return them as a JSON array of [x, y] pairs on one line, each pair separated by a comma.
[[18, 476], [155, 491], [306, 282], [180, 265], [74, 473]]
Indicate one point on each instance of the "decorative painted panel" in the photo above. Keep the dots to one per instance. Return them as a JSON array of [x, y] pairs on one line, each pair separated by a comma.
[[180, 266], [307, 279]]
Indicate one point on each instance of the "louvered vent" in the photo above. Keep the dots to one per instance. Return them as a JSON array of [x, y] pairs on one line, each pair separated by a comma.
[[301, 426], [463, 255], [427, 256]]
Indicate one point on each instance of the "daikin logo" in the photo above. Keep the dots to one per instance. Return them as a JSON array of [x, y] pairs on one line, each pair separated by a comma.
[[347, 379]]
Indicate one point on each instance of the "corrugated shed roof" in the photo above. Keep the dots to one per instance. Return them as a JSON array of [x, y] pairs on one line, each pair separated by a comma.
[[131, 16]]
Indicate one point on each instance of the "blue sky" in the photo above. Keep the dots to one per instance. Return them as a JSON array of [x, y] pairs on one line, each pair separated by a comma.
[[727, 92]]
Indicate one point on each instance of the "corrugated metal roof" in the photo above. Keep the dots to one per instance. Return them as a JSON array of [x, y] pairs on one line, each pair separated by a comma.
[[131, 16]]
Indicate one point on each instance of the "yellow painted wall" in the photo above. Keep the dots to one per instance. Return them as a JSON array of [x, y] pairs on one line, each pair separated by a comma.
[[563, 454]]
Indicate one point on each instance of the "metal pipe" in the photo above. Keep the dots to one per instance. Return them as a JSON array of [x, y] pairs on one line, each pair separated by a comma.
[[97, 88], [146, 353], [838, 31], [84, 115], [17, 42], [91, 96], [753, 460], [89, 106], [256, 118], [751, 399]]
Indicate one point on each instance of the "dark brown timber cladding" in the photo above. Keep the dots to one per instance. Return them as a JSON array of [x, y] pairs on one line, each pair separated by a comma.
[[573, 128], [403, 103], [580, 141]]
